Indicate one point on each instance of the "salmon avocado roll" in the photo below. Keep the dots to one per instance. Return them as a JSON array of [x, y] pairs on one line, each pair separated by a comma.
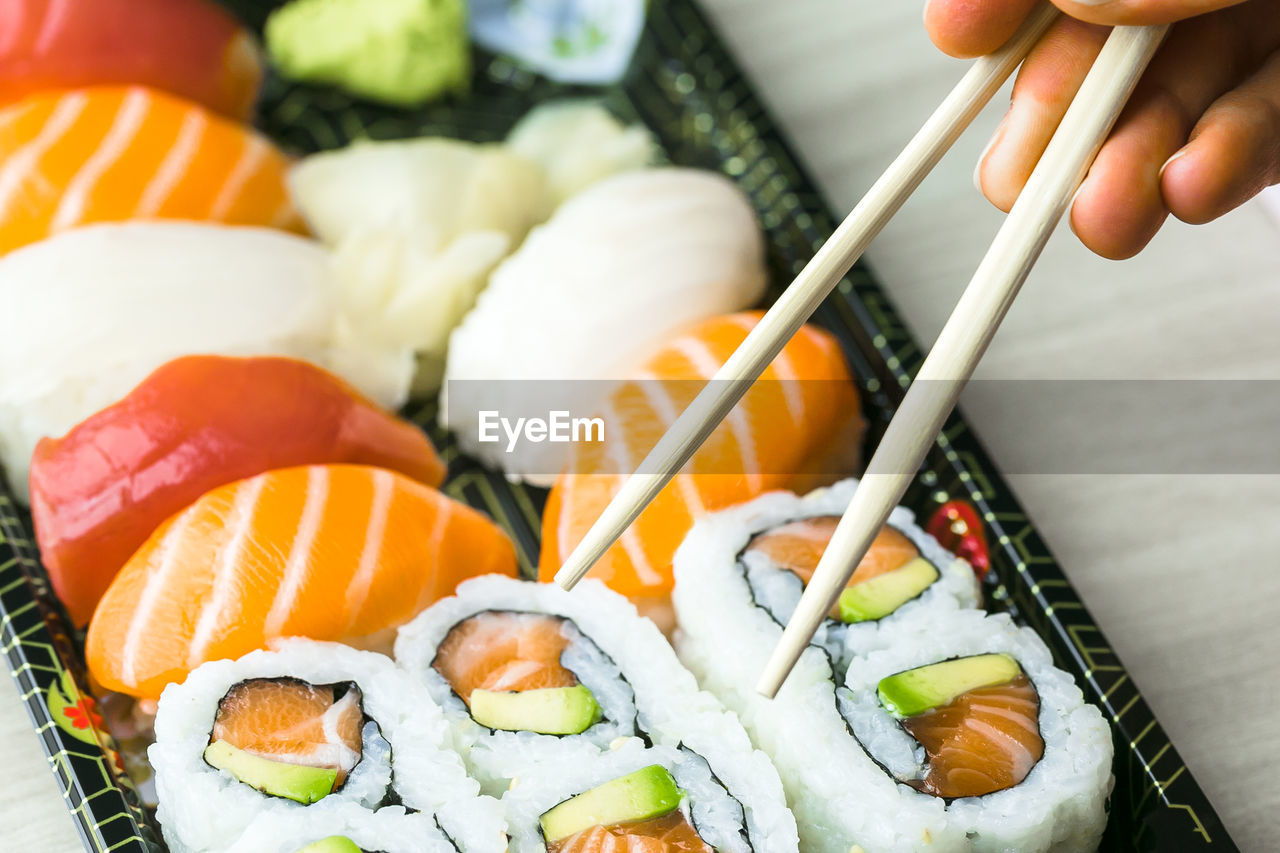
[[314, 733], [967, 713], [537, 682], [954, 732], [657, 800], [905, 570]]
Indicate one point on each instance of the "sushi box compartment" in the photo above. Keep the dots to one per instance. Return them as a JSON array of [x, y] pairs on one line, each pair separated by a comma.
[[687, 89]]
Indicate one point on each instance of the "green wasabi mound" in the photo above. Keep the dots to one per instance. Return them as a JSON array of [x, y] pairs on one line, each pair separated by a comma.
[[400, 52]]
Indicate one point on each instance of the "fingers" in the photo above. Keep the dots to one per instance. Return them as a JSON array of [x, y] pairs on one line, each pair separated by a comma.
[[1113, 12], [1234, 152], [1046, 83], [967, 28], [1120, 206]]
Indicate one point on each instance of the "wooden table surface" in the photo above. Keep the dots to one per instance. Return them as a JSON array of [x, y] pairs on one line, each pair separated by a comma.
[[1180, 570]]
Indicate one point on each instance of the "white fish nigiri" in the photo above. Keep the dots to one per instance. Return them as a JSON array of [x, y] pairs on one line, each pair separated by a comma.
[[620, 267], [94, 310]]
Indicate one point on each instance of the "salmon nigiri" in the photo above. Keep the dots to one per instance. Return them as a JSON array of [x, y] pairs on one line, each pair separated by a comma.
[[193, 48], [113, 153], [194, 424], [797, 429], [329, 552]]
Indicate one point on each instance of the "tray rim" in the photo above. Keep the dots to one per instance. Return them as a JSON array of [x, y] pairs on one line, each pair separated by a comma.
[[48, 670]]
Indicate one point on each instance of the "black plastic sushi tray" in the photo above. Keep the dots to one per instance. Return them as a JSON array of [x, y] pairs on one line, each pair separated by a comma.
[[688, 90]]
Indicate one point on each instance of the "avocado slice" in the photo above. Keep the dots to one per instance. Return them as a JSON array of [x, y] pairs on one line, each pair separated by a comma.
[[332, 844], [647, 793], [915, 691], [548, 711], [883, 594], [277, 778]]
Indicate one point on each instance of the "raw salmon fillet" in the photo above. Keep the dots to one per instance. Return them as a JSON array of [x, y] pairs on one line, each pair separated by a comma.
[[799, 428], [329, 552], [115, 153]]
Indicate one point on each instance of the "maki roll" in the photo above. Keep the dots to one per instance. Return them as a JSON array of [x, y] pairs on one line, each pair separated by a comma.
[[639, 798], [853, 775], [967, 714], [905, 570], [536, 682], [739, 574], [346, 829], [299, 732]]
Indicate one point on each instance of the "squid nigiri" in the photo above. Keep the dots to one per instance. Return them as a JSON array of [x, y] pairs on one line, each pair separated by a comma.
[[329, 552], [193, 48], [799, 427], [113, 153], [194, 424], [103, 306]]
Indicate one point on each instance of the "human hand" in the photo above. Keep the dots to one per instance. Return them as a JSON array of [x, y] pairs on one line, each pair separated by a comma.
[[1200, 136]]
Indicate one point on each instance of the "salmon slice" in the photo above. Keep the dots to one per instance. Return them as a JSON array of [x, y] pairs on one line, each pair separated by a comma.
[[329, 552], [799, 428], [504, 651], [798, 546], [192, 48], [289, 720], [671, 833], [194, 424], [113, 153], [986, 740]]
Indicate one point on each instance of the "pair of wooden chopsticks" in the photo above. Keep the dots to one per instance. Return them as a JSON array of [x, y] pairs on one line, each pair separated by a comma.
[[959, 346]]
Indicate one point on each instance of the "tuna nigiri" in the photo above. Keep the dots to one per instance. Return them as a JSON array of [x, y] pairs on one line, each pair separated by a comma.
[[797, 429], [112, 153], [330, 552], [105, 305], [193, 48], [192, 425]]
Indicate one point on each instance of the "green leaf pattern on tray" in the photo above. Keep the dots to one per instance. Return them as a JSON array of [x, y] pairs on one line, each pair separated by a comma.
[[75, 713]]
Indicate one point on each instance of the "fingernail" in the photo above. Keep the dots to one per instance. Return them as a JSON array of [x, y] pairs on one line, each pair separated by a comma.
[[1072, 204], [1176, 155], [991, 143]]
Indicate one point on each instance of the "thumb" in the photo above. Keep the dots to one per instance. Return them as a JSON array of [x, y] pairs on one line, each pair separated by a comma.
[[1133, 12]]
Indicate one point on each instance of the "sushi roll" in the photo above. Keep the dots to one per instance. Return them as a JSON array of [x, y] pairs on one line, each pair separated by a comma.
[[657, 798], [850, 766], [347, 829], [773, 544], [536, 681], [738, 578], [968, 716], [300, 732]]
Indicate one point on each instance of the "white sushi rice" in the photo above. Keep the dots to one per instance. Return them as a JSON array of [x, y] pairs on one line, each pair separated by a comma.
[[715, 814], [669, 708], [405, 755], [778, 590], [1061, 804], [389, 830], [839, 796]]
